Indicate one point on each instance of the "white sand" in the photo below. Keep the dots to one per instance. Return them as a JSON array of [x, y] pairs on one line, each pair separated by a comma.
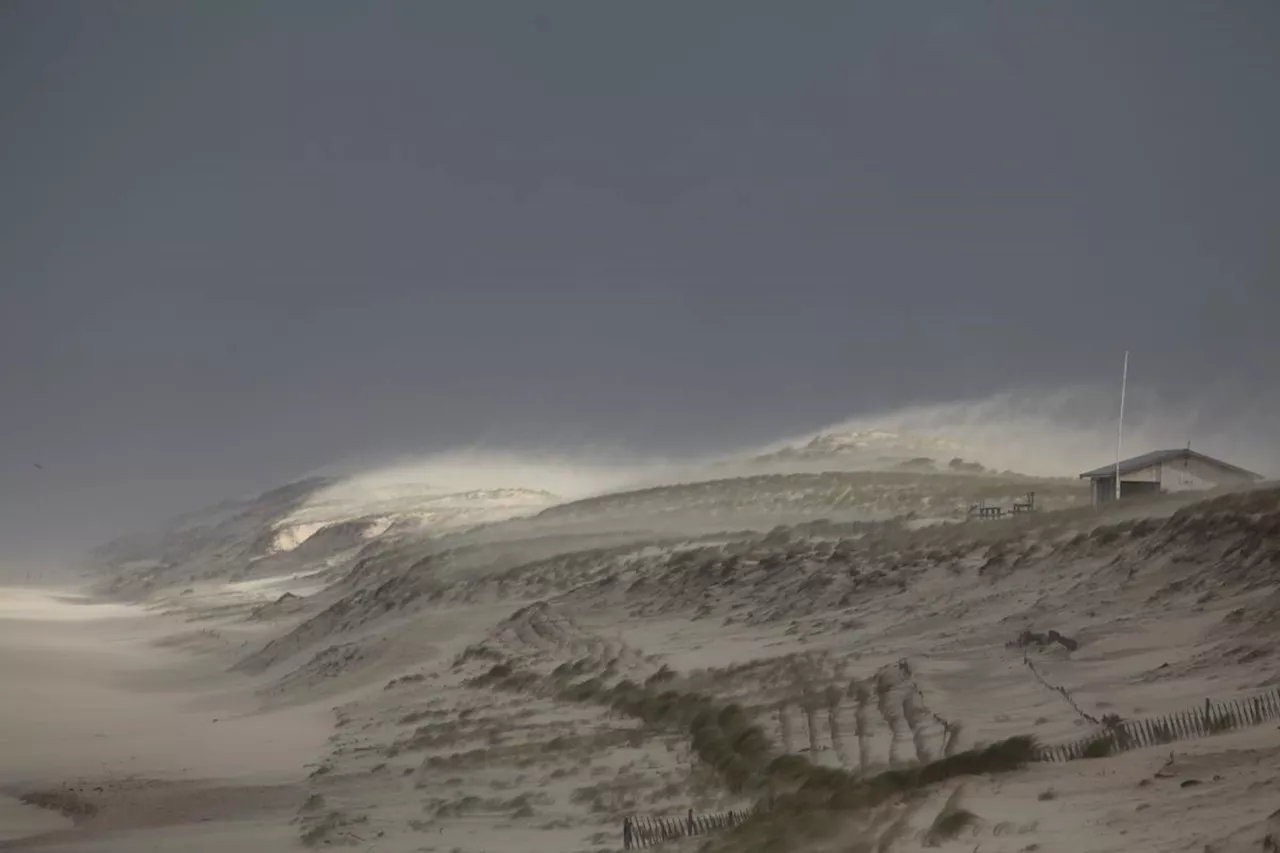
[[91, 701]]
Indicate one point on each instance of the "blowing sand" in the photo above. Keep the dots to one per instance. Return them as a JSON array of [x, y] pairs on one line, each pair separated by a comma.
[[416, 706], [95, 705]]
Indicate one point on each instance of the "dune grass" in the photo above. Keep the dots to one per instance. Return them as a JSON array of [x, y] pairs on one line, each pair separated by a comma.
[[804, 800]]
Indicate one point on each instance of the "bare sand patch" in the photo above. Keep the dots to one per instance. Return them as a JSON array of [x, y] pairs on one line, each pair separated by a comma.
[[94, 708]]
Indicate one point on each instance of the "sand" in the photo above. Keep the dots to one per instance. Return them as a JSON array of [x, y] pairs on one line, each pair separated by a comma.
[[92, 703], [381, 713]]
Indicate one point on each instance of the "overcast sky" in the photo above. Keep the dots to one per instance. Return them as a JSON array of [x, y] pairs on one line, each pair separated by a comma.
[[242, 240]]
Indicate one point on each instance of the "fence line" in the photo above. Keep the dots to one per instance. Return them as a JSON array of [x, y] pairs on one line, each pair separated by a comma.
[[1213, 718], [643, 831]]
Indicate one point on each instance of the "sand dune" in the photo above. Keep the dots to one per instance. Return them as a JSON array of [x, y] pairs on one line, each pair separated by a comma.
[[412, 697]]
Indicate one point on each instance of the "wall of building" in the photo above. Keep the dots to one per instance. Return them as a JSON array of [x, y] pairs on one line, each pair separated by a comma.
[[1182, 475], [1150, 474], [1178, 475], [1104, 489]]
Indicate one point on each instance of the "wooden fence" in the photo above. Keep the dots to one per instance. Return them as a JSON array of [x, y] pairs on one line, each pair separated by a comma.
[[642, 831], [1213, 718], [1115, 736]]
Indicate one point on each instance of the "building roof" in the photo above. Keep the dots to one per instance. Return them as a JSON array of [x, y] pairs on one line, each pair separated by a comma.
[[1146, 460]]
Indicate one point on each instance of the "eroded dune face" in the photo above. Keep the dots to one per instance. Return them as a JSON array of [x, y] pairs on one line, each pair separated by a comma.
[[534, 680]]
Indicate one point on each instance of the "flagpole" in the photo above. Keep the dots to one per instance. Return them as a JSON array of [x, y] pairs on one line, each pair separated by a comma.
[[1124, 381]]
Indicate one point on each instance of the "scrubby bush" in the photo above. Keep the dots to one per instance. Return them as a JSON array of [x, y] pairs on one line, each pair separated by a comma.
[[1100, 747]]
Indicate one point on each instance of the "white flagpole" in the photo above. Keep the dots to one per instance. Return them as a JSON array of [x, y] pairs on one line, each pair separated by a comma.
[[1124, 380]]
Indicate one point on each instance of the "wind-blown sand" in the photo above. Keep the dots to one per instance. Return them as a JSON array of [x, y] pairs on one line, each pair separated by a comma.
[[155, 737], [397, 695]]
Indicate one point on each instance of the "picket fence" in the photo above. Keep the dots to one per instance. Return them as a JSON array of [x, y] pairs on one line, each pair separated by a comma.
[[642, 831], [1213, 718]]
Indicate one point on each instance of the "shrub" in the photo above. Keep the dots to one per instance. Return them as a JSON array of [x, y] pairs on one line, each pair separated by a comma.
[[584, 691], [789, 767], [949, 824], [751, 742], [1099, 747], [662, 676], [731, 718]]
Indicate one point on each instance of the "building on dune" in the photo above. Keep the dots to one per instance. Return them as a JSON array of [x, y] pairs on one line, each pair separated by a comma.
[[1165, 471]]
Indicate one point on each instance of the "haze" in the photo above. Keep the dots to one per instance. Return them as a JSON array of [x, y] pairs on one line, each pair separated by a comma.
[[241, 242]]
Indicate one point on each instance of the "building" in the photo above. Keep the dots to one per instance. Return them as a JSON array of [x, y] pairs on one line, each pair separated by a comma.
[[1165, 471]]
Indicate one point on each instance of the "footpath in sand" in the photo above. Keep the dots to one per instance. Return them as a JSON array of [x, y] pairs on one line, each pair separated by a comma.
[[134, 746]]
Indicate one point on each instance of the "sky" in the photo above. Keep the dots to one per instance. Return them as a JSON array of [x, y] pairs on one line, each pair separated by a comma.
[[242, 241]]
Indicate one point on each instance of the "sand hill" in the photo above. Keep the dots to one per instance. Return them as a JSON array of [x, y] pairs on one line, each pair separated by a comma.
[[846, 659]]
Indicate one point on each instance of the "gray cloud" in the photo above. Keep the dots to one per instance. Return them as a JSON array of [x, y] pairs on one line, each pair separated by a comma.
[[238, 244]]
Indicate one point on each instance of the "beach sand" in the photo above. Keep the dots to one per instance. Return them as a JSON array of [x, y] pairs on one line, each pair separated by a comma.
[[160, 741]]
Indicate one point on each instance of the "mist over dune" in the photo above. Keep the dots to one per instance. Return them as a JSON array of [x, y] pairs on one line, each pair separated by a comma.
[[415, 650], [1053, 433], [1047, 433], [1064, 431], [529, 477]]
